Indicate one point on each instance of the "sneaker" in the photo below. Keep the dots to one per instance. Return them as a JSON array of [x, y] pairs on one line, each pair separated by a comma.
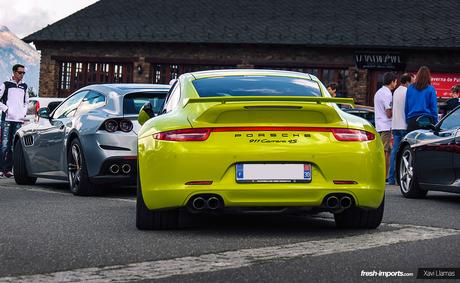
[[2, 175], [9, 174]]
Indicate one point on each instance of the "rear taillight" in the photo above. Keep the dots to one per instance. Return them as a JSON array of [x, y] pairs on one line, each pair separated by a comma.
[[351, 135], [126, 126], [202, 134], [37, 106], [113, 125], [184, 135]]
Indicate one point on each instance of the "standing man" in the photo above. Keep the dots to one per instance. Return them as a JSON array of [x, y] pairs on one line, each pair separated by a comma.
[[398, 122], [383, 113], [13, 104]]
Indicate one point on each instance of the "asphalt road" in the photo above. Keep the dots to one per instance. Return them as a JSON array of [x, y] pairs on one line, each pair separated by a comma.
[[47, 234]]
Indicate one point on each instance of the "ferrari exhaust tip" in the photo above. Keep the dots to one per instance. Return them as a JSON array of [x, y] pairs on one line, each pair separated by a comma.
[[213, 203], [199, 203], [345, 202], [332, 202], [114, 169], [126, 168]]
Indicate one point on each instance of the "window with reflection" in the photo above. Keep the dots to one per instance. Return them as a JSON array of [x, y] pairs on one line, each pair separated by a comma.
[[75, 75]]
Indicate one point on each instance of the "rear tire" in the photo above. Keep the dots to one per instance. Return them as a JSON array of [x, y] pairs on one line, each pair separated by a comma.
[[153, 220], [408, 182], [359, 218], [21, 176], [79, 182]]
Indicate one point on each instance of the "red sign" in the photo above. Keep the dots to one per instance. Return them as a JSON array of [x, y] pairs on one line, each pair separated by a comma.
[[444, 82]]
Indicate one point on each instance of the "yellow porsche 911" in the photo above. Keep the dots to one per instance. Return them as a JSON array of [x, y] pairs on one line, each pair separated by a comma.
[[244, 141]]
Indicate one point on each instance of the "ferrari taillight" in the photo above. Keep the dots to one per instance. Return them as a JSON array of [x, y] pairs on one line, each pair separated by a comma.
[[37, 106], [184, 135], [116, 124], [351, 135]]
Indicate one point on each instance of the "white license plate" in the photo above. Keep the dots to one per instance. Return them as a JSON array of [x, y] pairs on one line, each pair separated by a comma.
[[273, 173]]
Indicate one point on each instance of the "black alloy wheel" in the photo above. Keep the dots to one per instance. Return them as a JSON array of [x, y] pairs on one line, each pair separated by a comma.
[[79, 182]]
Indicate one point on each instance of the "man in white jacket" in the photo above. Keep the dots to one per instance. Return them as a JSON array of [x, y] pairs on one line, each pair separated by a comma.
[[13, 104]]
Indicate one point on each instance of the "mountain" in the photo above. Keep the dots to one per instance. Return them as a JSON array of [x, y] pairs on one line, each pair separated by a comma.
[[15, 51]]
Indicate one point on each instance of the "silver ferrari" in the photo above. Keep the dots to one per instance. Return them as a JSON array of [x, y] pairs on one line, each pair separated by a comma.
[[89, 139]]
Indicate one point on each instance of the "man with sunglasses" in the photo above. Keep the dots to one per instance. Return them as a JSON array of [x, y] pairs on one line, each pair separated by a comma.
[[13, 104]]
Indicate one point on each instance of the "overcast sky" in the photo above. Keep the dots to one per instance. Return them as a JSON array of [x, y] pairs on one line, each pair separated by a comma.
[[24, 17]]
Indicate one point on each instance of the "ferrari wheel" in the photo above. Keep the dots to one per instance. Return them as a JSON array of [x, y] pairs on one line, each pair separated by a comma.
[[407, 178], [360, 218], [21, 176], [79, 182], [153, 220]]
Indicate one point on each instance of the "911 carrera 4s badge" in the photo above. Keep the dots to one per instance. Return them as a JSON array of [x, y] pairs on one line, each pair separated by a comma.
[[273, 173]]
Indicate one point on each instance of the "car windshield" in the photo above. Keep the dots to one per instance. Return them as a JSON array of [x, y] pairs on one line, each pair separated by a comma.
[[133, 102], [256, 86]]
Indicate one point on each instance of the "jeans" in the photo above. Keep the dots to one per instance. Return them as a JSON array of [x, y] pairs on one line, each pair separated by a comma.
[[9, 129], [398, 135]]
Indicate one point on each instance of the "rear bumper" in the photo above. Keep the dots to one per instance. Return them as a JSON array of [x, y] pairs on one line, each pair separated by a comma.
[[167, 167], [125, 175], [264, 195]]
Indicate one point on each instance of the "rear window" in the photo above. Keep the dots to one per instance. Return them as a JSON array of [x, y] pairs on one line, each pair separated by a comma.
[[133, 102], [256, 86]]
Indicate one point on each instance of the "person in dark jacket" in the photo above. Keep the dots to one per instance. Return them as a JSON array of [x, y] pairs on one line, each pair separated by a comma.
[[421, 100], [452, 103]]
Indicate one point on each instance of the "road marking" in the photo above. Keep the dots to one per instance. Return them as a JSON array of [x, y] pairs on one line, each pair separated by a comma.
[[240, 258]]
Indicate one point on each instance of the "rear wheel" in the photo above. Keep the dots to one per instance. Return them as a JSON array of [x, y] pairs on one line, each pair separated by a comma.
[[21, 176], [79, 182], [407, 177], [360, 218]]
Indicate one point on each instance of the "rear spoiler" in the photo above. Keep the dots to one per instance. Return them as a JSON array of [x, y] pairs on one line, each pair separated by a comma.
[[225, 99]]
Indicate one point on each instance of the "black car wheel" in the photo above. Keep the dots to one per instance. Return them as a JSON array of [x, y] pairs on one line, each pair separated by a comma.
[[407, 177], [78, 174], [21, 176], [360, 218]]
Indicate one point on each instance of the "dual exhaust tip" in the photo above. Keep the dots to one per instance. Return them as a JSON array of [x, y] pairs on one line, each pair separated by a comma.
[[200, 203], [116, 169], [336, 203]]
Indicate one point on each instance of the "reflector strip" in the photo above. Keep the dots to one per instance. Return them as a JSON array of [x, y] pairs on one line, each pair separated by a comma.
[[344, 182], [199, 183]]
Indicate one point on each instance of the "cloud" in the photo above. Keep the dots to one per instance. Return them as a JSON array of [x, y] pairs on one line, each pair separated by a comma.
[[26, 17], [23, 24]]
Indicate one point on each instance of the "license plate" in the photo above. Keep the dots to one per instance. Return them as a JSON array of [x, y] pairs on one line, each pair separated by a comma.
[[273, 173]]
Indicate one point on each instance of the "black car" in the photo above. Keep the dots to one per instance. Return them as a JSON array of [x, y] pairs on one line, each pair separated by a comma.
[[430, 159], [362, 111]]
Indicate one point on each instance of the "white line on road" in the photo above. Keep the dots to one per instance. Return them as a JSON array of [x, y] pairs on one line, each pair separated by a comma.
[[240, 258]]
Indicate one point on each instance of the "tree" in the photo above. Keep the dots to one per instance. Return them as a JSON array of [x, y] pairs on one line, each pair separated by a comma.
[[31, 92]]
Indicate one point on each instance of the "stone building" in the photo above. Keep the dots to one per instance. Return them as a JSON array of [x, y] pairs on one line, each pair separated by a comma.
[[152, 41]]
